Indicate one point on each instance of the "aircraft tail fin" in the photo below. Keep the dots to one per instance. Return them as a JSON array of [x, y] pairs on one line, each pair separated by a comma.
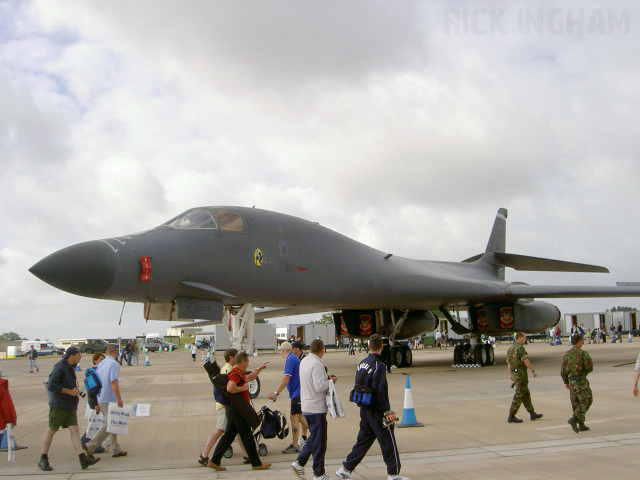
[[498, 238], [496, 257]]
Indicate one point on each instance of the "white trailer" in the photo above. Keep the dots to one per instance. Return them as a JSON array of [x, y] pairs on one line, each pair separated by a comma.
[[310, 331], [264, 336]]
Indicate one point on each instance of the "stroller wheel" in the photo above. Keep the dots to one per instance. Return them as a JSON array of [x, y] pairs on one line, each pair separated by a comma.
[[228, 452], [262, 450]]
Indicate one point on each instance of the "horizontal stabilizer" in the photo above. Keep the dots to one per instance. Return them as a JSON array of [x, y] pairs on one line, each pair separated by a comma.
[[536, 264], [556, 291]]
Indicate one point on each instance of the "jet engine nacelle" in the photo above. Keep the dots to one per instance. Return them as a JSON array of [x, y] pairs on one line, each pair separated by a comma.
[[362, 323], [525, 316]]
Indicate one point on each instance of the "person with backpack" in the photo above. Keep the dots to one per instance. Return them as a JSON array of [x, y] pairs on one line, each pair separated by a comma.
[[221, 405], [377, 419], [92, 386], [239, 413], [109, 372]]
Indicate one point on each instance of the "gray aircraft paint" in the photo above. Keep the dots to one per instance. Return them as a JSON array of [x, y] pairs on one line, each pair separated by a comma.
[[277, 260]]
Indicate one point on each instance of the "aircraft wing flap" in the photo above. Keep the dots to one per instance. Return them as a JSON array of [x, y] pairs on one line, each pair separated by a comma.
[[558, 291]]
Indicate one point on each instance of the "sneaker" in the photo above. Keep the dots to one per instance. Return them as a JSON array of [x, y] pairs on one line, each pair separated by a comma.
[[322, 477], [301, 441], [298, 470], [215, 466], [343, 473], [264, 466], [44, 463], [397, 477], [290, 449], [87, 460]]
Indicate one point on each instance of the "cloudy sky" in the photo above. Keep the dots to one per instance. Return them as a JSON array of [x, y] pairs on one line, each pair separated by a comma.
[[403, 124]]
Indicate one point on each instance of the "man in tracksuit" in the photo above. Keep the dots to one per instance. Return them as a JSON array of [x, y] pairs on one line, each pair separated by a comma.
[[371, 383]]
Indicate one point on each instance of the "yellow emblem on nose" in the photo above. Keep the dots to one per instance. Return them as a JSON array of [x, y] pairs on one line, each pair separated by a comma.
[[258, 258]]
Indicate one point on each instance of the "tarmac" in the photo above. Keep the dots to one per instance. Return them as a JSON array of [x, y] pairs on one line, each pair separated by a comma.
[[464, 411]]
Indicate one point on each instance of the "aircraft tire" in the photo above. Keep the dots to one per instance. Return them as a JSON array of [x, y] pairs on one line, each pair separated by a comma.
[[457, 355], [479, 355], [254, 387], [491, 359], [398, 357], [408, 357]]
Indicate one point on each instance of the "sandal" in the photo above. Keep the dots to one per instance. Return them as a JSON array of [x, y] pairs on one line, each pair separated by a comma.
[[121, 453], [245, 460], [203, 461]]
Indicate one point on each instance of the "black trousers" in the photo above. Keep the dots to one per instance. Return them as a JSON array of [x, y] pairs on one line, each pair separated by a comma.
[[316, 444], [371, 429], [236, 425]]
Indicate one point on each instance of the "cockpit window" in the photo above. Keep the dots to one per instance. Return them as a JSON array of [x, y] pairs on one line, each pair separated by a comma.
[[208, 218], [196, 218], [230, 221]]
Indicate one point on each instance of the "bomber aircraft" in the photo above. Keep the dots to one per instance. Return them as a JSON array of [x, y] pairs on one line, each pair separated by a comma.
[[216, 264]]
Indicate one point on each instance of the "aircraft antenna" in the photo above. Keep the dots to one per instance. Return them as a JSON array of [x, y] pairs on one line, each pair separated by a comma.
[[120, 321]]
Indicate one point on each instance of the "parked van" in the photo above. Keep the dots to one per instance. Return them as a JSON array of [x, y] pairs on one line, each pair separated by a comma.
[[42, 347]]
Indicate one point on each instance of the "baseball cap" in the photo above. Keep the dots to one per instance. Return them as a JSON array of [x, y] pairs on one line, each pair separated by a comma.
[[297, 344], [71, 351]]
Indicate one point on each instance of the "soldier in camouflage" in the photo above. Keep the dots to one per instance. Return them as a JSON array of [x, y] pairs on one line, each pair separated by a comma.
[[518, 363], [576, 365]]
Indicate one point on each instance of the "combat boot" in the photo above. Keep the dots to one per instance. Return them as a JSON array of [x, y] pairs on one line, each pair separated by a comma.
[[514, 419], [574, 424], [582, 427], [535, 416], [44, 463], [87, 460]]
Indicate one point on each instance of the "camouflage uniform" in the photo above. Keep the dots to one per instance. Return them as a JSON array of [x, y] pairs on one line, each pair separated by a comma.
[[515, 357], [576, 365]]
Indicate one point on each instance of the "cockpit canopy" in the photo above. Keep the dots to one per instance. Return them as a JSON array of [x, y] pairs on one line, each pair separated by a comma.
[[207, 218]]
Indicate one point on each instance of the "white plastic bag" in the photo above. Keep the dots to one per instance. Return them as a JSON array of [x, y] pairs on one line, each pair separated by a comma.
[[94, 422], [333, 402], [118, 419]]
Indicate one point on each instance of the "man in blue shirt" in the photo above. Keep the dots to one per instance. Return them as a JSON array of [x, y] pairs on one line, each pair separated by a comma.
[[291, 380], [108, 370]]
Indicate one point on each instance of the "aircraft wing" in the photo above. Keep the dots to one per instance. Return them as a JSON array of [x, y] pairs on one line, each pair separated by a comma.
[[558, 291]]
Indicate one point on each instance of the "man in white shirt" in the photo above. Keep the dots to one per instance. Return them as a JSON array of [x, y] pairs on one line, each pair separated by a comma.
[[109, 371], [314, 385]]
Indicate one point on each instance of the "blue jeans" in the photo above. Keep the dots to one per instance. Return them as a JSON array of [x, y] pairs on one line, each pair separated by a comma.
[[316, 444]]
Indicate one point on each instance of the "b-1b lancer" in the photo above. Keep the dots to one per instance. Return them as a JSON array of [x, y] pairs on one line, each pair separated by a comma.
[[216, 263]]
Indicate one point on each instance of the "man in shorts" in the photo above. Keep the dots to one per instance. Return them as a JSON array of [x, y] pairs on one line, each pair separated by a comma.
[[63, 393], [221, 418], [291, 380]]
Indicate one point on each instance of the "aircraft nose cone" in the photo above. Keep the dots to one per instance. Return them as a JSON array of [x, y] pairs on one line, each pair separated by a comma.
[[86, 269]]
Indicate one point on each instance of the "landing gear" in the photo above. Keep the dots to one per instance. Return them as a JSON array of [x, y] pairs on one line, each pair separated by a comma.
[[478, 354]]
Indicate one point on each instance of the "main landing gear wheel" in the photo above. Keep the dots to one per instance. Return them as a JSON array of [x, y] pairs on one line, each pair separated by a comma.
[[398, 359], [479, 355], [408, 358], [490, 354]]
